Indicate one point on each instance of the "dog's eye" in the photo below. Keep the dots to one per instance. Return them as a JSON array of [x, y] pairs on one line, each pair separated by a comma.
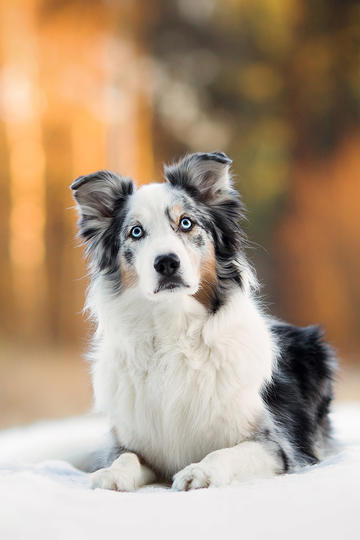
[[137, 232], [186, 224]]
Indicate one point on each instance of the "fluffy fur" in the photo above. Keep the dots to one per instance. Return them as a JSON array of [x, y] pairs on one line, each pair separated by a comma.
[[200, 386]]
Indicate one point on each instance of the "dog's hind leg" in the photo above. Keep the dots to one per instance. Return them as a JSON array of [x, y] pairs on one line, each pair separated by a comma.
[[126, 473]]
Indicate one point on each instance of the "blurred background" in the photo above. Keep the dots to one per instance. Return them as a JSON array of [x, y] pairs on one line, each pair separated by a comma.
[[129, 84]]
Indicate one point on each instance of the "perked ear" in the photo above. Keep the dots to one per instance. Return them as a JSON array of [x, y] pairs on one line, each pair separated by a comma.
[[205, 176], [100, 196]]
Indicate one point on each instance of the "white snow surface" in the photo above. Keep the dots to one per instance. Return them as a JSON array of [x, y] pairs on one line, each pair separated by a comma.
[[50, 499]]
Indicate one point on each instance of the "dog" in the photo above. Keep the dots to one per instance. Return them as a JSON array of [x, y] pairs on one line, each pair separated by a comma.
[[201, 386]]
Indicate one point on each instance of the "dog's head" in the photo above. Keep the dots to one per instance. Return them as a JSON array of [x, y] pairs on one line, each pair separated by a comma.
[[178, 237]]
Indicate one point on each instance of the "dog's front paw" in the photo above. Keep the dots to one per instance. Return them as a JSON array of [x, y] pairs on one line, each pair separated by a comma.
[[121, 476], [196, 476], [114, 479]]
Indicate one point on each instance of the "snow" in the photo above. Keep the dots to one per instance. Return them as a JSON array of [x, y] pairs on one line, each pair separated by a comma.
[[52, 500]]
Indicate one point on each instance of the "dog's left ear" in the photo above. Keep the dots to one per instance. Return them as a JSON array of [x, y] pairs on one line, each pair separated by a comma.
[[205, 176]]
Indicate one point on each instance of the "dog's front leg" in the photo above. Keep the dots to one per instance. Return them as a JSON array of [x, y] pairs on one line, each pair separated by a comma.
[[126, 473], [247, 460]]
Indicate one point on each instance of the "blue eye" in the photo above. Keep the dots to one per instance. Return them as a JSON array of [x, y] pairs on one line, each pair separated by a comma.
[[137, 232], [186, 224]]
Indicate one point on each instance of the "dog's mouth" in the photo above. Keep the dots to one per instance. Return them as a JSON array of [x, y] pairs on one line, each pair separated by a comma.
[[171, 284]]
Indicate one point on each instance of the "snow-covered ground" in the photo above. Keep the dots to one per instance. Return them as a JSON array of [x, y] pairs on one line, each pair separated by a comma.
[[49, 499]]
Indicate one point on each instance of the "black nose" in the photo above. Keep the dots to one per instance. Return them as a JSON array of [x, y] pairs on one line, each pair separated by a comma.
[[167, 265]]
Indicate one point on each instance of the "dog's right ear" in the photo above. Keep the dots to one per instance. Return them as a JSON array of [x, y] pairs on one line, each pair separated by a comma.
[[100, 196]]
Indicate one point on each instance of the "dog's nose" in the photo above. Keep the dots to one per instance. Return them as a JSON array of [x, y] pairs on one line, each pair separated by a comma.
[[166, 265]]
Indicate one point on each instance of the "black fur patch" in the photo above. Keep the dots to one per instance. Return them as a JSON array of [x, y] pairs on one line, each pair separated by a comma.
[[129, 256], [300, 392], [199, 241], [284, 459]]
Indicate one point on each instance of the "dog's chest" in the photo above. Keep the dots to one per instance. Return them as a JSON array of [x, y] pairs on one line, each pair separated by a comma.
[[175, 400]]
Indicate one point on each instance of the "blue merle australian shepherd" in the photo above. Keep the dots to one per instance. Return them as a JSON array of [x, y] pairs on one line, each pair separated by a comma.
[[200, 386]]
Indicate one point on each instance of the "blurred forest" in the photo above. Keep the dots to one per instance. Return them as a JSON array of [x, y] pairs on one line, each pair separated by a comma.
[[129, 84]]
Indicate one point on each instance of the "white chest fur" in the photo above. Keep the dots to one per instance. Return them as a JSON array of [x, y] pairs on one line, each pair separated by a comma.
[[175, 382]]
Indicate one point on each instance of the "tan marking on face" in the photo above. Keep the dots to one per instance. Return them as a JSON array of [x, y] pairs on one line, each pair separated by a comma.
[[208, 279], [176, 212], [194, 256], [194, 231], [128, 275]]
